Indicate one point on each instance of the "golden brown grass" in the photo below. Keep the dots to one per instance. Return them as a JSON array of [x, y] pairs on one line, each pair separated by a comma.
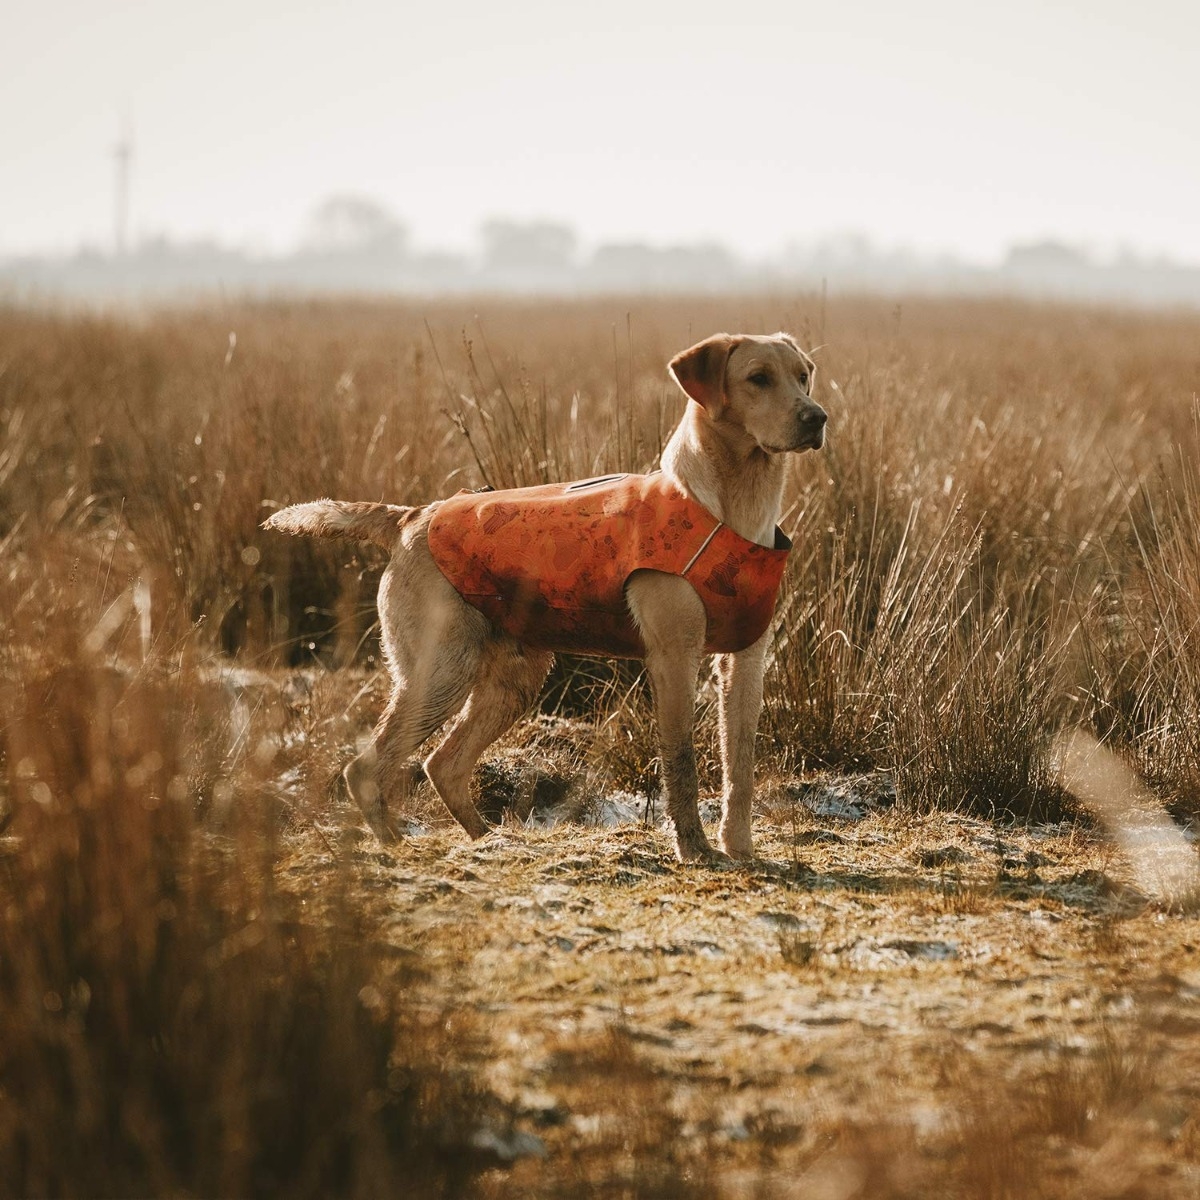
[[202, 976], [175, 1019], [1000, 536]]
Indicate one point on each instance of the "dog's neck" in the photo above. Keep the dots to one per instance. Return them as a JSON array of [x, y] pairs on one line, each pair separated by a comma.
[[723, 469]]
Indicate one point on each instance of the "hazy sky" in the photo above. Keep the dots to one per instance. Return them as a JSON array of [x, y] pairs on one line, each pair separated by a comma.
[[959, 126]]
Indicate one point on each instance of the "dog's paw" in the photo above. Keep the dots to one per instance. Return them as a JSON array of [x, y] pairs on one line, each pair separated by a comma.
[[477, 828], [738, 849], [385, 829], [693, 849], [703, 854]]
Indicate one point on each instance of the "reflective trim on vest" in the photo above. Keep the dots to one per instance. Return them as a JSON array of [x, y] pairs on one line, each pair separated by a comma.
[[548, 565]]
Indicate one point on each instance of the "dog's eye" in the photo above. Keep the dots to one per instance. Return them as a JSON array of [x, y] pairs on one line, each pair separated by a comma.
[[760, 379], [804, 379]]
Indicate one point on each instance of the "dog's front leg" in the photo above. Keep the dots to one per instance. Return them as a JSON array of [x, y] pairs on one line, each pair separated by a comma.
[[671, 618], [741, 678], [673, 681]]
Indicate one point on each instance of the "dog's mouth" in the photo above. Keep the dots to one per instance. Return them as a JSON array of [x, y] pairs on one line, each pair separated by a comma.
[[806, 432], [809, 441]]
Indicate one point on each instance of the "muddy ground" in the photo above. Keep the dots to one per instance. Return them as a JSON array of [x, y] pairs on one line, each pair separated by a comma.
[[882, 1004]]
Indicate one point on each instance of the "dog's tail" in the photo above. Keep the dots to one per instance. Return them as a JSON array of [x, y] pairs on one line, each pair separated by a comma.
[[357, 520]]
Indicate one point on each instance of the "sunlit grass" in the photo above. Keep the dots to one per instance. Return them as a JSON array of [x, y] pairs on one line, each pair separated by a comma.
[[999, 542]]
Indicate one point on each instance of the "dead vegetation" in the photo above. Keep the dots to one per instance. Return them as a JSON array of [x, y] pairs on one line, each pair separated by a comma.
[[174, 1020], [940, 978]]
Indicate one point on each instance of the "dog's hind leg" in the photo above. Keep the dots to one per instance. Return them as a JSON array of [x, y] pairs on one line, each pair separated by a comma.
[[432, 678], [508, 681]]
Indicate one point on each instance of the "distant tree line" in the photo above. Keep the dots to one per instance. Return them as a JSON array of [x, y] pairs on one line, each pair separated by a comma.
[[353, 243]]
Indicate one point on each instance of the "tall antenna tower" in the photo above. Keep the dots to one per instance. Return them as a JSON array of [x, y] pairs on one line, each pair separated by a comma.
[[123, 159]]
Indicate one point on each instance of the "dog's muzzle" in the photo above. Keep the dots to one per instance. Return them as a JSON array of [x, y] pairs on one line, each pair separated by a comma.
[[810, 427]]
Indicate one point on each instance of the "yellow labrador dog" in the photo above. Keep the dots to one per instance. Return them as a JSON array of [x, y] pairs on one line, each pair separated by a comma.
[[749, 404]]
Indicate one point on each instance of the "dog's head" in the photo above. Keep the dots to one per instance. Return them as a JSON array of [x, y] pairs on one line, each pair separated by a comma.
[[760, 385]]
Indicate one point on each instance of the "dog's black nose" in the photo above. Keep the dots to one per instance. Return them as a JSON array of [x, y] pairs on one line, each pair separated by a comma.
[[815, 416]]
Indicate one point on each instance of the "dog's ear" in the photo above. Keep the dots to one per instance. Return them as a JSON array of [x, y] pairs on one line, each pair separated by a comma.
[[700, 371]]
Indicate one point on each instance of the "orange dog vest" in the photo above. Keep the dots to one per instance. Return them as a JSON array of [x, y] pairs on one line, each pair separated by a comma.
[[548, 565]]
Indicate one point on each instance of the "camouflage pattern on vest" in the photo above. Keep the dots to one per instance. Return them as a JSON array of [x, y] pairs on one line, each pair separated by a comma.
[[548, 565]]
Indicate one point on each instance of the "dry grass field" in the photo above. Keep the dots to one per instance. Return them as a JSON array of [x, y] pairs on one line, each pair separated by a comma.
[[946, 975]]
